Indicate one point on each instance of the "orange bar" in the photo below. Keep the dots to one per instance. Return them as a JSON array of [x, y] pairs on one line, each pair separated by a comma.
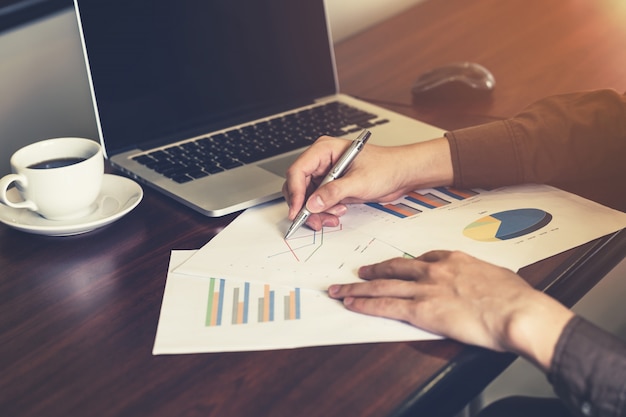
[[216, 301], [266, 303], [398, 210], [460, 192], [292, 305], [425, 199], [240, 312]]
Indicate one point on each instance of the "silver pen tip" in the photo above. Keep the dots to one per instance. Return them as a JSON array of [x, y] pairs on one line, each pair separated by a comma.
[[297, 222]]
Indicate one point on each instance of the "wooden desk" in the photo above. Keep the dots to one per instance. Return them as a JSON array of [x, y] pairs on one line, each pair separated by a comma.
[[78, 315]]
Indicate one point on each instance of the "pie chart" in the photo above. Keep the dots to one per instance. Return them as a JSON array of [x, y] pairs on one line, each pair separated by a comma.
[[508, 224]]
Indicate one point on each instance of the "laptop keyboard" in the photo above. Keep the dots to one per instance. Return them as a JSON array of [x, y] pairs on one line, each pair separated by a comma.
[[199, 158]]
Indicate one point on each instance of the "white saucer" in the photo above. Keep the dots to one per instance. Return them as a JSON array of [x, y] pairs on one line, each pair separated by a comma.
[[118, 196]]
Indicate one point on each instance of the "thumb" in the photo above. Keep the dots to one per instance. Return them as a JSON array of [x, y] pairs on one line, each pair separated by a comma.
[[326, 197], [315, 203]]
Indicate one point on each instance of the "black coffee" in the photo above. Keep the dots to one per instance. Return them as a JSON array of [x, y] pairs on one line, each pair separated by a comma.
[[57, 163]]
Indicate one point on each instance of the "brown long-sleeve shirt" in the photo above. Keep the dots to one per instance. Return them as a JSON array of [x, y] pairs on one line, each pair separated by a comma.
[[576, 142]]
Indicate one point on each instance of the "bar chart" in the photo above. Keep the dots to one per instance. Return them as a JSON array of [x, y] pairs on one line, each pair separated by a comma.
[[416, 202], [236, 303]]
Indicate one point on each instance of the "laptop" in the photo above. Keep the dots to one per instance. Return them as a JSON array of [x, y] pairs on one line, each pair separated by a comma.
[[209, 102]]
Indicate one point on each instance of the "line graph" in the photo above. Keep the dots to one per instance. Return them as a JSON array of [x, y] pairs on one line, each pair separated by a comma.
[[304, 245], [254, 249]]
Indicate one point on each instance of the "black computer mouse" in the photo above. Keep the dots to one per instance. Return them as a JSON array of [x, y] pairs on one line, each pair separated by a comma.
[[456, 81]]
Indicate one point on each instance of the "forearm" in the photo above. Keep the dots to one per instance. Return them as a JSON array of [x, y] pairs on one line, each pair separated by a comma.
[[557, 140], [429, 165]]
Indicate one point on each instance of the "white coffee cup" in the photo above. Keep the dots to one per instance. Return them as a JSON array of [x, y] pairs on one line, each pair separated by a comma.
[[59, 178]]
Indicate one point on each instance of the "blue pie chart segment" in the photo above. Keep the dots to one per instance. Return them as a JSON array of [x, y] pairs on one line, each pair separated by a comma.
[[508, 224]]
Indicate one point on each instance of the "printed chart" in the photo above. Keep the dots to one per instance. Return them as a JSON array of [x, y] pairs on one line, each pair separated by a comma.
[[201, 314], [305, 244], [416, 202], [273, 295], [237, 303], [253, 248], [509, 224], [361, 216]]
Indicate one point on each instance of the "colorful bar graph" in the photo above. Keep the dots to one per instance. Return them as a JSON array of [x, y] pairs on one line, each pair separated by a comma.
[[427, 200], [456, 193], [239, 313], [239, 300], [416, 202], [266, 305], [215, 303], [292, 305], [398, 210]]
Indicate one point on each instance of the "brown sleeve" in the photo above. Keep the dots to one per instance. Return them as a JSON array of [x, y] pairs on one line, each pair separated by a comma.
[[571, 141], [588, 370]]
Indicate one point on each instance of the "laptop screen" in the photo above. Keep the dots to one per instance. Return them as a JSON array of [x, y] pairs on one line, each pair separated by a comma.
[[168, 70]]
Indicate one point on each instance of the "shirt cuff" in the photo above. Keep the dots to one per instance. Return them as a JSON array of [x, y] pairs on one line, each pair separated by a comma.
[[588, 370]]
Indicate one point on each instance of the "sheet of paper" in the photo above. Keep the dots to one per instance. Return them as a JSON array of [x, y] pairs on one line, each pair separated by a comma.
[[252, 246], [511, 227], [249, 289], [200, 314]]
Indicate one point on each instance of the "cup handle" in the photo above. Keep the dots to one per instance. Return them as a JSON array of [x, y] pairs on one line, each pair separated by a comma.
[[5, 182]]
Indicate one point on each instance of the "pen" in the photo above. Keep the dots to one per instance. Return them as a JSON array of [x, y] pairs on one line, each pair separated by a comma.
[[337, 171]]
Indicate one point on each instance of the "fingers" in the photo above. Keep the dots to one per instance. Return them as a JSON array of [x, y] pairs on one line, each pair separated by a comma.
[[394, 299], [391, 308], [434, 256], [404, 268], [453, 294], [319, 220], [330, 195], [372, 177], [294, 196], [397, 268], [377, 288], [312, 165]]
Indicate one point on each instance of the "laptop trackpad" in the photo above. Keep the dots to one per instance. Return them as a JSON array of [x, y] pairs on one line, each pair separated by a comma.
[[279, 166]]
